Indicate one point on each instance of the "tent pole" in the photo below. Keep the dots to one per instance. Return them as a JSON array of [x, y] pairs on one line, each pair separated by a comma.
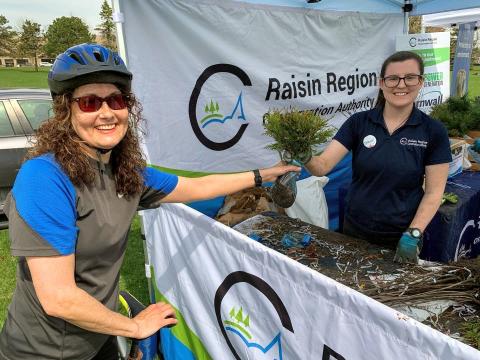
[[118, 18], [407, 7]]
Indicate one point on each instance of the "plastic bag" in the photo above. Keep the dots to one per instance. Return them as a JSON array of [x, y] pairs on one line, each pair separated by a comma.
[[311, 204]]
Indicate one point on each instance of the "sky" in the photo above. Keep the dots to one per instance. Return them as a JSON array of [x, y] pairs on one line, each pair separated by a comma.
[[45, 11]]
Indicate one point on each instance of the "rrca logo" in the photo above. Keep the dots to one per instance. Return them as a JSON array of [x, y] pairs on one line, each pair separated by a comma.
[[213, 115], [254, 321]]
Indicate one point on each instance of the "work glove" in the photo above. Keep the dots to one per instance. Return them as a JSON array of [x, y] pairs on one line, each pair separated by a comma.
[[408, 249], [297, 159], [476, 145]]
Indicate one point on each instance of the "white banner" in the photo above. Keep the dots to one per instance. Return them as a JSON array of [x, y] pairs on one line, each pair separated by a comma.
[[434, 48], [238, 299], [207, 70]]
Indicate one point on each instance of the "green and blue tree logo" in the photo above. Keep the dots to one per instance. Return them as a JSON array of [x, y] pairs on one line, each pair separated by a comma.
[[213, 115], [212, 110], [239, 325]]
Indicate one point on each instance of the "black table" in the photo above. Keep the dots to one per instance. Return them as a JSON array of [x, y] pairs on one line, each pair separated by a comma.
[[454, 232]]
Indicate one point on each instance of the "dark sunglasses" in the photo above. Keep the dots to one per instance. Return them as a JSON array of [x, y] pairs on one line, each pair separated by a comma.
[[91, 103]]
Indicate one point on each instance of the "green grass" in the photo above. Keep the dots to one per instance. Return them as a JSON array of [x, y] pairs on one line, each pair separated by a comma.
[[132, 274], [7, 270], [474, 82], [24, 77]]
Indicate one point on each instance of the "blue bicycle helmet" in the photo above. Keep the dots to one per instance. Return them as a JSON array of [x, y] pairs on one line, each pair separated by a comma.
[[85, 64]]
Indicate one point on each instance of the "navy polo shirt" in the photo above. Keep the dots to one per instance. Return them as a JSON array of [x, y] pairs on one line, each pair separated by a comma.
[[388, 170]]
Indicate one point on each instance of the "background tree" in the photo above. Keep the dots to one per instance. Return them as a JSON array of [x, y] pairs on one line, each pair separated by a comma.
[[7, 37], [107, 27], [64, 33], [453, 44], [30, 42]]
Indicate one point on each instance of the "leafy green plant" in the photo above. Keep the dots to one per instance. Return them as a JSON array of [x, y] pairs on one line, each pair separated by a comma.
[[296, 131], [471, 333], [459, 114]]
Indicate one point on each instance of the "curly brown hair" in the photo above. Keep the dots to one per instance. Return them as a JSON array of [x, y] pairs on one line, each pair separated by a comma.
[[57, 136]]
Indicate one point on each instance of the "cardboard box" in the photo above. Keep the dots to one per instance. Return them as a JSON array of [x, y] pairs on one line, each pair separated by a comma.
[[458, 149]]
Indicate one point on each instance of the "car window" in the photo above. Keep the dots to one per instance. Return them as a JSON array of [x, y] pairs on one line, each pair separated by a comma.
[[5, 125], [36, 111]]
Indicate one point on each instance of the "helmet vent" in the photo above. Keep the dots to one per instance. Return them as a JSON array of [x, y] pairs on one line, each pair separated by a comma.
[[77, 58], [98, 56], [115, 59]]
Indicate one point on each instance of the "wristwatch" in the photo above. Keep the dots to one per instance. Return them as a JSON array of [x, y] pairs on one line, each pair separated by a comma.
[[258, 178], [415, 232]]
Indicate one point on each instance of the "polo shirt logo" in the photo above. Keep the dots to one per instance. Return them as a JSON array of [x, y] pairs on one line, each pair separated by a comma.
[[413, 142], [369, 141]]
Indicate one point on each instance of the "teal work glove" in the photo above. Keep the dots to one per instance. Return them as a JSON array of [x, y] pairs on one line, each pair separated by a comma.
[[408, 249], [298, 159], [476, 145]]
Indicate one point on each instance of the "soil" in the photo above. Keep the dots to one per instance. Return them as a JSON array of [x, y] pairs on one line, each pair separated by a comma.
[[282, 195]]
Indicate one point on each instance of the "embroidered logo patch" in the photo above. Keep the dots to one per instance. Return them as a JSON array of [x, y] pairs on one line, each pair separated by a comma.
[[413, 142]]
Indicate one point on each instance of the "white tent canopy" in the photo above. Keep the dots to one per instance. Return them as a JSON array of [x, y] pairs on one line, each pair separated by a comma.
[[419, 7], [452, 17]]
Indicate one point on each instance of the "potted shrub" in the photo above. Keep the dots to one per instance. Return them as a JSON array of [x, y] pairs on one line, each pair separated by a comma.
[[296, 134]]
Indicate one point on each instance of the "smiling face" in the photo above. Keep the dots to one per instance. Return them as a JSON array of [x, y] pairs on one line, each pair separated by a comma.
[[402, 95], [103, 128]]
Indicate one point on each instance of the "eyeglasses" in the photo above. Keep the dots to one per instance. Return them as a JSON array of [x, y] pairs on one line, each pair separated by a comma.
[[91, 103], [409, 80]]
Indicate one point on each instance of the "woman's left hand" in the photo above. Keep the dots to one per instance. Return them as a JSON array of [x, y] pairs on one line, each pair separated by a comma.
[[271, 174]]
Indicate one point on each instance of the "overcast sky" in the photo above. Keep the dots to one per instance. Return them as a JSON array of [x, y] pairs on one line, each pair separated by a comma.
[[45, 11]]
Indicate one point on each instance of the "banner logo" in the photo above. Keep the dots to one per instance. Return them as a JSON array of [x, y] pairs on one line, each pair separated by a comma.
[[213, 115], [426, 100], [212, 110], [239, 324], [466, 248]]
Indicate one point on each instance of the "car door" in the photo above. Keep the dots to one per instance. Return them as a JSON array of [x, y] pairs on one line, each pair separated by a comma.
[[13, 143], [32, 112]]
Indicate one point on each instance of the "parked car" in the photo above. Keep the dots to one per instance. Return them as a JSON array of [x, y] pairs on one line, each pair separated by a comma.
[[45, 63], [21, 113]]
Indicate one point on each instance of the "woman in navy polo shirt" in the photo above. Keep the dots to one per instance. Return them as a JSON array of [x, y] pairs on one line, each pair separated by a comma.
[[396, 147]]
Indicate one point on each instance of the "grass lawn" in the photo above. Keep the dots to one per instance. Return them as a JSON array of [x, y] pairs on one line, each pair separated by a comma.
[[7, 269], [474, 82], [24, 77]]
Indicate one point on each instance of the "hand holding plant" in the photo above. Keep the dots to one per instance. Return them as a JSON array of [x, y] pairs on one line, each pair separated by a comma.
[[296, 133]]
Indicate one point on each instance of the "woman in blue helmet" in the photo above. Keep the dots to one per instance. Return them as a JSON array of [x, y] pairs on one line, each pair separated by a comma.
[[70, 210]]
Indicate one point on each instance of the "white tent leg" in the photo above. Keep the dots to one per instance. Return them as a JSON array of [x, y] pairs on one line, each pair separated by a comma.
[[406, 11], [118, 18]]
